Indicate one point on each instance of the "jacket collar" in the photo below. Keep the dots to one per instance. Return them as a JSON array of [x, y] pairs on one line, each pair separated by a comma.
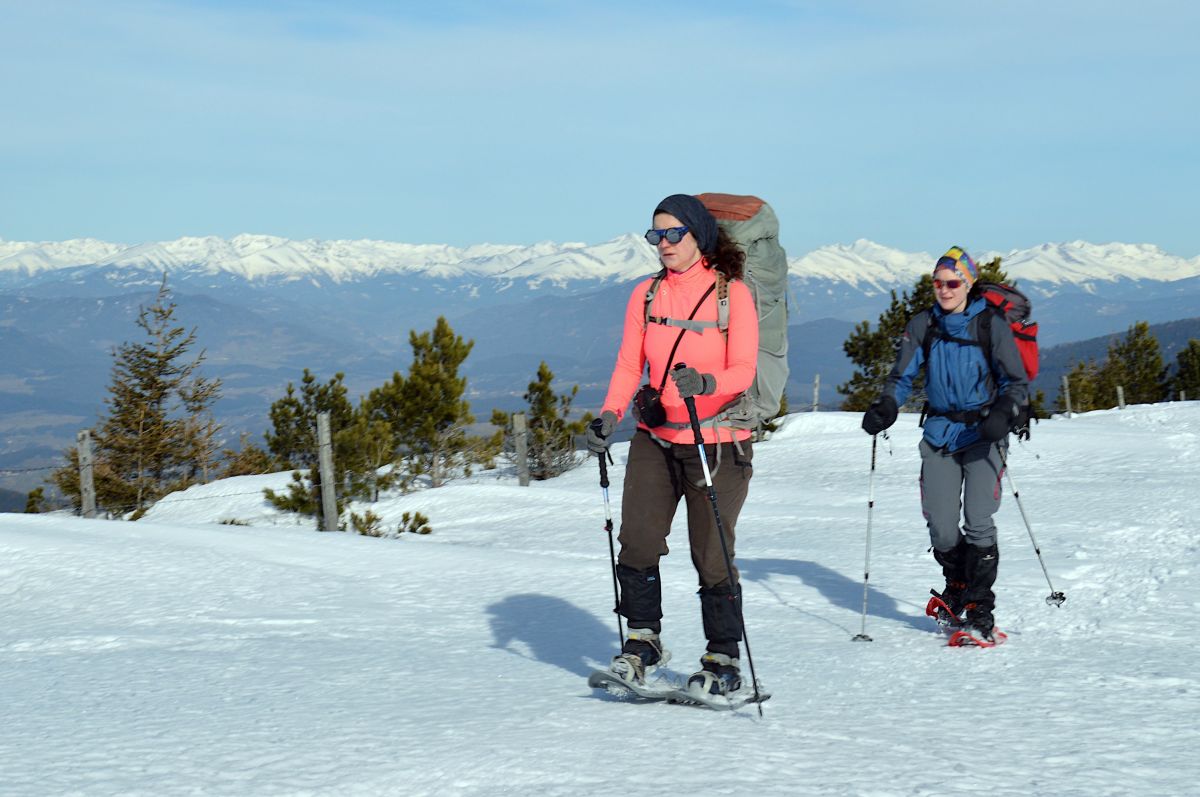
[[973, 308], [698, 274]]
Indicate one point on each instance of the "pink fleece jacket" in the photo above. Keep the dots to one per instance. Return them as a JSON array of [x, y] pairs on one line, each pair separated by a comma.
[[732, 361]]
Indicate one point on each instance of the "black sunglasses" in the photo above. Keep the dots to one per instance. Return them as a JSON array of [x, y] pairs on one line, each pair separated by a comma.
[[673, 235]]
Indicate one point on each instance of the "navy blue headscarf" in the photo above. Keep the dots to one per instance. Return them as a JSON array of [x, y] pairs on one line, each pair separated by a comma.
[[692, 213]]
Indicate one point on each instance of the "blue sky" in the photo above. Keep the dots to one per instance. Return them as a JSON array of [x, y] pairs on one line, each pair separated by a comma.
[[914, 124]]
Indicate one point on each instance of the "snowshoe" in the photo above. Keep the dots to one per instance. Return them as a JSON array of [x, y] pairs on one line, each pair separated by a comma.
[[641, 655], [942, 612], [979, 629], [718, 685], [658, 689], [970, 636], [718, 675]]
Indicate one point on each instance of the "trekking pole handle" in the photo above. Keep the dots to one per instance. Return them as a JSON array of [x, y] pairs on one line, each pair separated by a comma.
[[690, 403], [597, 425]]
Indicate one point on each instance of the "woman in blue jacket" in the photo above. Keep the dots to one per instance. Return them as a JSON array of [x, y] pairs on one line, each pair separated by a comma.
[[973, 398]]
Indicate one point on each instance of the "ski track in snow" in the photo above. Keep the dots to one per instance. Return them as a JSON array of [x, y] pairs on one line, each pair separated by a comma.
[[178, 656]]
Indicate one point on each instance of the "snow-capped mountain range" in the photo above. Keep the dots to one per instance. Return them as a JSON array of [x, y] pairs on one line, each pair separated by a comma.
[[268, 258], [264, 257]]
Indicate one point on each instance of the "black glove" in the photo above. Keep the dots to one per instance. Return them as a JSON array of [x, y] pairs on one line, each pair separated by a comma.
[[881, 415], [1020, 426], [999, 419], [691, 382], [600, 431]]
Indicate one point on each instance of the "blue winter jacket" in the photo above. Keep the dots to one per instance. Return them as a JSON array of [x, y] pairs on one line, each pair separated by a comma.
[[959, 377]]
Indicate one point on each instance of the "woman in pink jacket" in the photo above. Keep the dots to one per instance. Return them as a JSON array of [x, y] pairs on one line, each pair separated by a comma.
[[672, 319]]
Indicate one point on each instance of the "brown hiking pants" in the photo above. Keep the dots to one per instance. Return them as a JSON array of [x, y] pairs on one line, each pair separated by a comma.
[[656, 478]]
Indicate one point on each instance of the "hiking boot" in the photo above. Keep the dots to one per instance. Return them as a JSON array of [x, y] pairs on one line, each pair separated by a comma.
[[718, 675], [980, 623], [641, 654], [952, 597]]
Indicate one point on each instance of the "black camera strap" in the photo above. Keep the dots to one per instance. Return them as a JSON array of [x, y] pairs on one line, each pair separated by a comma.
[[671, 357]]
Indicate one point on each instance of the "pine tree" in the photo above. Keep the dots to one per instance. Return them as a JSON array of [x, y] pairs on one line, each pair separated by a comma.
[[434, 416], [365, 449], [292, 442], [35, 501], [1187, 371], [1037, 404], [200, 428], [1135, 364], [875, 351], [159, 432], [386, 403], [551, 436], [247, 460], [1083, 382]]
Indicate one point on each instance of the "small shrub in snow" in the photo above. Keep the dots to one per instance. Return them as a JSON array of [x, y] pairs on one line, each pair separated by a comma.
[[416, 523], [367, 524]]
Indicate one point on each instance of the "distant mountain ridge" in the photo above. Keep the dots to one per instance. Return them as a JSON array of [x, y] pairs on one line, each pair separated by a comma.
[[264, 257]]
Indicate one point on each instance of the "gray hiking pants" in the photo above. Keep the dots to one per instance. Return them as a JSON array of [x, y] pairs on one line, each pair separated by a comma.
[[966, 481], [656, 478]]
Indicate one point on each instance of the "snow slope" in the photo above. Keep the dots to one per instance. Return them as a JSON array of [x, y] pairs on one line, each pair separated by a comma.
[[178, 656]]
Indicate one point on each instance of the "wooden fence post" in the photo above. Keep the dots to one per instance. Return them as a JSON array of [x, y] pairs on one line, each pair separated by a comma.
[[816, 392], [1067, 395], [521, 444], [87, 484], [329, 511], [1120, 397]]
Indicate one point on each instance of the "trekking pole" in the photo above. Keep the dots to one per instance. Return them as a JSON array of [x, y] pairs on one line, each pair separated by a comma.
[[1054, 598], [690, 402], [861, 636], [608, 526]]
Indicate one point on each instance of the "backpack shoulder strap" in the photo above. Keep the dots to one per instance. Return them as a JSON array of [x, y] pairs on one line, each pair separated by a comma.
[[650, 294], [985, 336], [985, 328], [722, 303], [931, 331]]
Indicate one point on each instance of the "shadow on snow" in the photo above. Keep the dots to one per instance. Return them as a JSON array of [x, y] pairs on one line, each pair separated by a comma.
[[554, 631], [839, 590]]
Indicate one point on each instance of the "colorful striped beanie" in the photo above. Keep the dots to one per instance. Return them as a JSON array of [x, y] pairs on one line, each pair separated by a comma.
[[956, 258]]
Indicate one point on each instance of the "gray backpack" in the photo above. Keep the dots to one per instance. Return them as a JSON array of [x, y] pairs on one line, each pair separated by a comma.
[[752, 224]]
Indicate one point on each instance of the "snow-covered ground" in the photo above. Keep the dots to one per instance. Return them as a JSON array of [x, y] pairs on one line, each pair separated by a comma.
[[179, 656]]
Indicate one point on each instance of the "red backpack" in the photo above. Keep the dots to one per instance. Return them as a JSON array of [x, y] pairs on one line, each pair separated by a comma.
[[1015, 307]]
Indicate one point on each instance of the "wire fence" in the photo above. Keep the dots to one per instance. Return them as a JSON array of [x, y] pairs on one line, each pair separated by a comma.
[[120, 510], [15, 471]]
